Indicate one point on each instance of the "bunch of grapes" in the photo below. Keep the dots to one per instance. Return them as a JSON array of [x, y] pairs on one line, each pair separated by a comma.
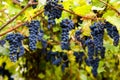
[[33, 31], [16, 48], [97, 31], [57, 58], [90, 61], [112, 32], [66, 25], [52, 11]]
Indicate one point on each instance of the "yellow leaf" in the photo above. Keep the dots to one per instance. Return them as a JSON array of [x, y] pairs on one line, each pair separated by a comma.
[[88, 69], [82, 10], [85, 27]]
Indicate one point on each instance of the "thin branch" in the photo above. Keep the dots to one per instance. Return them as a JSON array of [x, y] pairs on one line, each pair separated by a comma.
[[40, 12], [14, 17], [110, 6], [19, 25], [28, 5], [85, 17], [12, 29]]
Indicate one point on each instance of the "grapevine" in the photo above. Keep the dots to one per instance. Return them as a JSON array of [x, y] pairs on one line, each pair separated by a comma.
[[58, 40]]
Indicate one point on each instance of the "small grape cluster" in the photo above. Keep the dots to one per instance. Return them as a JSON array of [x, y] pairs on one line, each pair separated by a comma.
[[16, 47], [61, 58], [57, 58], [91, 61], [66, 25], [97, 31], [4, 72], [33, 31], [112, 32], [52, 11]]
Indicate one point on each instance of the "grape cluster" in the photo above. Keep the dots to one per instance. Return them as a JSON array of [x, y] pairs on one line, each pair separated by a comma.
[[60, 58], [66, 25], [53, 57], [112, 32], [4, 72], [97, 31], [52, 11], [90, 61], [33, 31], [16, 47], [95, 46]]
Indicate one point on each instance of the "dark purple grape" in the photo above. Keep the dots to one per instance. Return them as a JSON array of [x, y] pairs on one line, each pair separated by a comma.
[[2, 42]]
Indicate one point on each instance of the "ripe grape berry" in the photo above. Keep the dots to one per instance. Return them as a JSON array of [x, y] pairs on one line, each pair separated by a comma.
[[33, 31], [52, 11], [16, 48], [2, 42], [66, 25]]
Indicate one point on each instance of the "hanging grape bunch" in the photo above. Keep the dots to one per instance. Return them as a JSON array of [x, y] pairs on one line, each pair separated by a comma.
[[66, 25], [52, 11], [16, 48]]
